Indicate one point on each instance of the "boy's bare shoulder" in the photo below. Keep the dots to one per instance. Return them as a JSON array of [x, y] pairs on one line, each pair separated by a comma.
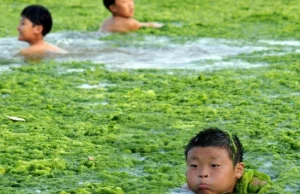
[[32, 50], [40, 51], [53, 49], [120, 24], [43, 48]]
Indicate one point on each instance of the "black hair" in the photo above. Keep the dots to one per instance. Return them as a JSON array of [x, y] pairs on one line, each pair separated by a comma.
[[38, 15], [108, 3], [215, 137]]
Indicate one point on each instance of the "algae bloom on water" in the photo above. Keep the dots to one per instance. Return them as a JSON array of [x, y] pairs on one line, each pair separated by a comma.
[[113, 115]]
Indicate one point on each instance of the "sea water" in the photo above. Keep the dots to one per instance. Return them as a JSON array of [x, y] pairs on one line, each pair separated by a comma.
[[132, 52]]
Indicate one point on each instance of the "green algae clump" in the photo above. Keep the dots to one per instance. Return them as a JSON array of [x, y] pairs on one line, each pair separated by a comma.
[[38, 167], [254, 181], [2, 170], [136, 130]]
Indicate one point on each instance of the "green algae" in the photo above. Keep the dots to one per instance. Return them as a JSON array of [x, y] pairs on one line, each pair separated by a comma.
[[135, 127], [246, 185], [223, 19], [66, 124]]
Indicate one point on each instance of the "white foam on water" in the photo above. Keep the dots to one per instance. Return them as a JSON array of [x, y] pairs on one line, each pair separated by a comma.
[[10, 47], [73, 70], [282, 43], [88, 86], [101, 85], [268, 164], [5, 95], [284, 95], [218, 65]]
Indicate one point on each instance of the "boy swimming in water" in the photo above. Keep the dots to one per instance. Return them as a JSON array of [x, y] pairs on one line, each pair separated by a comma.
[[35, 24], [122, 17], [214, 165]]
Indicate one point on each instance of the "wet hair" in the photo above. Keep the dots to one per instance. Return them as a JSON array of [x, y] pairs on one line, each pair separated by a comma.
[[214, 137], [38, 15], [108, 3]]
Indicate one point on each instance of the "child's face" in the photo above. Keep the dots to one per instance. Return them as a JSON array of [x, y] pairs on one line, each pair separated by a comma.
[[211, 171], [27, 30], [123, 8]]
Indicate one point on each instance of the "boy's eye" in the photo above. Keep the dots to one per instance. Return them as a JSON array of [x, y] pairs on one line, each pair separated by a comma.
[[215, 165], [193, 165]]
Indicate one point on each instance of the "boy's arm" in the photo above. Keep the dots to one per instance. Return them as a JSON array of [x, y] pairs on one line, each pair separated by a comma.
[[133, 24], [122, 25]]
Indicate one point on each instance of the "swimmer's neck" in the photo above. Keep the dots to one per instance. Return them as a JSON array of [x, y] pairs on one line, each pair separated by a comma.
[[37, 41], [119, 16]]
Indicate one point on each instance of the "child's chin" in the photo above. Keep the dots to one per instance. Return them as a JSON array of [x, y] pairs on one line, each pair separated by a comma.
[[129, 15], [20, 38]]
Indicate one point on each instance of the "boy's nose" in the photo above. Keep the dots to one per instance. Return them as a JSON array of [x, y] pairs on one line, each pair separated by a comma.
[[203, 173]]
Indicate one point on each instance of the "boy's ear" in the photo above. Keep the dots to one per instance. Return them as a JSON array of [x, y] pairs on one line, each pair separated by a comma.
[[239, 170], [38, 29], [112, 8]]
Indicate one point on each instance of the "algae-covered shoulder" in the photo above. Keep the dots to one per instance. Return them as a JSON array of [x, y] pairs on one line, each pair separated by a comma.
[[254, 181]]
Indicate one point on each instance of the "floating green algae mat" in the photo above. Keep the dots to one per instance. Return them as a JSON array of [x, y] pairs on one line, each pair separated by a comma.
[[250, 19], [100, 131], [135, 124]]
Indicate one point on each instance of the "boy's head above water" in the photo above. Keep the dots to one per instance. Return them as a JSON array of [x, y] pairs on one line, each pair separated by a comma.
[[121, 8], [122, 20], [35, 21], [213, 162]]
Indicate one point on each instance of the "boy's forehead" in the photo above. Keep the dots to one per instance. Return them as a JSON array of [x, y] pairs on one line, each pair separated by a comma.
[[122, 1], [208, 152], [25, 19]]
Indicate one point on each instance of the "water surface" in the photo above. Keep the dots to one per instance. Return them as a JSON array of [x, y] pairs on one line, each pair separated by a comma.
[[133, 52]]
